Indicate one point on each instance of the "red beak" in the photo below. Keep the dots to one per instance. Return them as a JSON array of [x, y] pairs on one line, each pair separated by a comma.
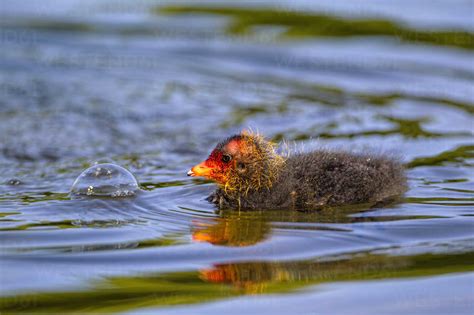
[[200, 170]]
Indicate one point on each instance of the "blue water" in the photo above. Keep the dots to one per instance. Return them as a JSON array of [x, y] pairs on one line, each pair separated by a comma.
[[154, 91]]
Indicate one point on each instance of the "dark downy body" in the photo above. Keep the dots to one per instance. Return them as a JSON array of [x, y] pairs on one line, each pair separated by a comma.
[[323, 178]]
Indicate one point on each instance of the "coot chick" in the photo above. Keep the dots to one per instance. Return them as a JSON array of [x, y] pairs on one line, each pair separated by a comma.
[[252, 175]]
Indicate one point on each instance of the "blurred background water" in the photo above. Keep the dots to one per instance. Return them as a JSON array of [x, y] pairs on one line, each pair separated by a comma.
[[153, 85]]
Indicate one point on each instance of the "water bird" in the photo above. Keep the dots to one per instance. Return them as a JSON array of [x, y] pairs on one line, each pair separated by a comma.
[[251, 175]]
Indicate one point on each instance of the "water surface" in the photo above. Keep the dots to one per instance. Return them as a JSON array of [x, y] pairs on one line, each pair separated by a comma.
[[153, 86]]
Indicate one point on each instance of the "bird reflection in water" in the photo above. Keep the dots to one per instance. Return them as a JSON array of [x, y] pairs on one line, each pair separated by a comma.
[[267, 277], [233, 229], [246, 228], [239, 229]]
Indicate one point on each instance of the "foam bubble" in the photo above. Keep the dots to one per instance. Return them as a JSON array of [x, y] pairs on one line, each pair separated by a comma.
[[105, 180]]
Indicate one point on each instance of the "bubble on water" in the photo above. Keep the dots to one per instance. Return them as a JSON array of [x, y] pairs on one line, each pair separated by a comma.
[[105, 180], [104, 160]]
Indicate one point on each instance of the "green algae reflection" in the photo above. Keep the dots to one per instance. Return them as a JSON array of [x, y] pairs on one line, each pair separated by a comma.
[[223, 281], [303, 24], [459, 155]]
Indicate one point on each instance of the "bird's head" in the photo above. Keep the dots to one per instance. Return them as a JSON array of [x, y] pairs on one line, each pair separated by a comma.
[[241, 163]]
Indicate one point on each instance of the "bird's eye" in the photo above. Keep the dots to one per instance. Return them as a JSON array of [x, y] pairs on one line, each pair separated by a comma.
[[226, 158]]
